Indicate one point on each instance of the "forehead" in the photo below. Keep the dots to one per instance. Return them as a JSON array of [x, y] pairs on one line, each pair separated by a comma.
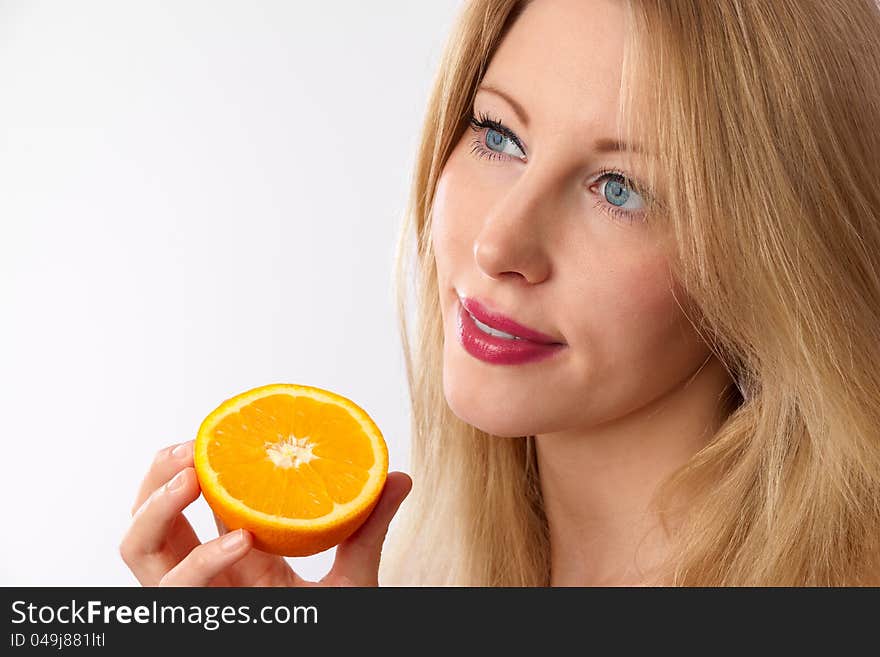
[[562, 61]]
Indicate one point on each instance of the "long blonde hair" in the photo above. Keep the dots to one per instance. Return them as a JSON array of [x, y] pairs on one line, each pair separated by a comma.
[[766, 115]]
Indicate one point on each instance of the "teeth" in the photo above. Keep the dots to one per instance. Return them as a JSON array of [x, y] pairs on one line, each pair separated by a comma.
[[491, 331]]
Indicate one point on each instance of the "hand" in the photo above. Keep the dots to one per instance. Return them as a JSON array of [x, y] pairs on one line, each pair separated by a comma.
[[161, 548]]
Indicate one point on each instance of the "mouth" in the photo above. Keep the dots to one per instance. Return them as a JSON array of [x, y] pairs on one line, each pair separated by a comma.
[[501, 326]]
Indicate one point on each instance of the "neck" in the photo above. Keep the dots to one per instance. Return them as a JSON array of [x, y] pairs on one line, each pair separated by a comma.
[[597, 483]]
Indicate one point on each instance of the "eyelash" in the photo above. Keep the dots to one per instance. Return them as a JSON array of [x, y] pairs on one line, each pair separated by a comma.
[[484, 121]]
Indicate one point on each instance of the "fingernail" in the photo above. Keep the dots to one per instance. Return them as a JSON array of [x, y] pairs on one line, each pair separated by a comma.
[[177, 481], [181, 450], [233, 540]]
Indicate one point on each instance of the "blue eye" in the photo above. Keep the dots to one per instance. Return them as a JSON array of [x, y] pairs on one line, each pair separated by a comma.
[[616, 191], [619, 193], [621, 199], [497, 137]]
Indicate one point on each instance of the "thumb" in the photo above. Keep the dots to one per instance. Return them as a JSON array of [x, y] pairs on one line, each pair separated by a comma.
[[357, 557]]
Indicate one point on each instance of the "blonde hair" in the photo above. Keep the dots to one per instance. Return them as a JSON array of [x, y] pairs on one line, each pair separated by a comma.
[[766, 117]]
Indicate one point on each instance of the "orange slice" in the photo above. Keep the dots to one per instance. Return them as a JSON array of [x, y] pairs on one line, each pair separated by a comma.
[[299, 467]]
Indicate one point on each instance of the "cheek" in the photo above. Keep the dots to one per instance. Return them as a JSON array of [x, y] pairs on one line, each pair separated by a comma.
[[456, 207], [633, 317], [644, 302], [633, 341]]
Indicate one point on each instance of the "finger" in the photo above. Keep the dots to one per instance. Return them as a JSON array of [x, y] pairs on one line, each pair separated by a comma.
[[146, 548], [209, 560], [182, 538], [357, 557], [166, 463], [258, 566]]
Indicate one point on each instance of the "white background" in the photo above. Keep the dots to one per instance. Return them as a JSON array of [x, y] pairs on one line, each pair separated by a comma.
[[196, 198]]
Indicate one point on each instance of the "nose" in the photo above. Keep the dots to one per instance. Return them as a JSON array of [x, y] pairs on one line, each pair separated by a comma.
[[513, 238]]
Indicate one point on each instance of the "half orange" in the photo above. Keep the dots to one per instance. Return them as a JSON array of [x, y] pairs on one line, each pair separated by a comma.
[[299, 467]]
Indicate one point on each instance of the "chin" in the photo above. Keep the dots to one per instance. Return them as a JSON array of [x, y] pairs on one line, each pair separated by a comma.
[[495, 417], [492, 424]]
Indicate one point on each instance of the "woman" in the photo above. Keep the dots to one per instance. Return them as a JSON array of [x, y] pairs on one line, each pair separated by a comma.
[[648, 262]]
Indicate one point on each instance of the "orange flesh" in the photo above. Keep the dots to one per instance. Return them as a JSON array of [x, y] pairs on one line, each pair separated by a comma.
[[290, 456]]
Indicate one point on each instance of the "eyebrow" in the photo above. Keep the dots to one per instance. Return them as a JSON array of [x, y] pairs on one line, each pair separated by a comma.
[[603, 145]]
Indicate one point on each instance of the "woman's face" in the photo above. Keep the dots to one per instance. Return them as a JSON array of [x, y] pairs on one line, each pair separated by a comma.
[[527, 224]]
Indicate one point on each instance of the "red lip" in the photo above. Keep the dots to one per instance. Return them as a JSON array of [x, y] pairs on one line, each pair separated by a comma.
[[497, 350], [502, 323]]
